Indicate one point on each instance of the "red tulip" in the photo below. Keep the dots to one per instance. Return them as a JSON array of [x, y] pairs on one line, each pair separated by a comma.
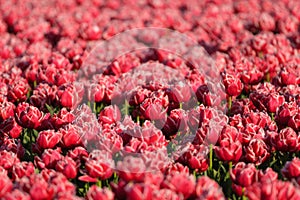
[[290, 75], [179, 93], [229, 150], [64, 117], [139, 191], [96, 92], [153, 109], [294, 122], [28, 116], [177, 168], [166, 194], [176, 121], [267, 22], [6, 110], [233, 85], [12, 128], [256, 151], [131, 169], [287, 140], [6, 185], [22, 169], [274, 101], [8, 159], [99, 164], [138, 96], [124, 64], [70, 95], [207, 188], [49, 158], [109, 141], [291, 169], [48, 139], [110, 115], [95, 193], [180, 183], [41, 191], [16, 195], [67, 166], [43, 94], [71, 137], [230, 132], [18, 90], [285, 113], [78, 154], [243, 174], [195, 157]]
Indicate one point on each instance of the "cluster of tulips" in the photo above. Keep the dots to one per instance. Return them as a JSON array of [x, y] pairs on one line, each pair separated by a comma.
[[215, 116]]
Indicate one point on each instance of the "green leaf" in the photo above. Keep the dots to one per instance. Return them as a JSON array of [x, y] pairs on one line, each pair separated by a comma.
[[50, 109]]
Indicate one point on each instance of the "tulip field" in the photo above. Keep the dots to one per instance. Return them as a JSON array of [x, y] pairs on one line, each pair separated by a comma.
[[149, 99]]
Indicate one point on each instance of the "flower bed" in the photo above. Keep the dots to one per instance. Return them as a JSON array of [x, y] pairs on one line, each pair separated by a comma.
[[80, 121]]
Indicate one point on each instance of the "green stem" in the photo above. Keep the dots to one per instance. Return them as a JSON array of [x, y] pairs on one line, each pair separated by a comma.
[[86, 187], [94, 107], [229, 103], [230, 166], [32, 136], [243, 194], [272, 116], [210, 157], [126, 107], [268, 77], [227, 178], [99, 183], [115, 177], [229, 170], [29, 93], [106, 183], [180, 105]]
